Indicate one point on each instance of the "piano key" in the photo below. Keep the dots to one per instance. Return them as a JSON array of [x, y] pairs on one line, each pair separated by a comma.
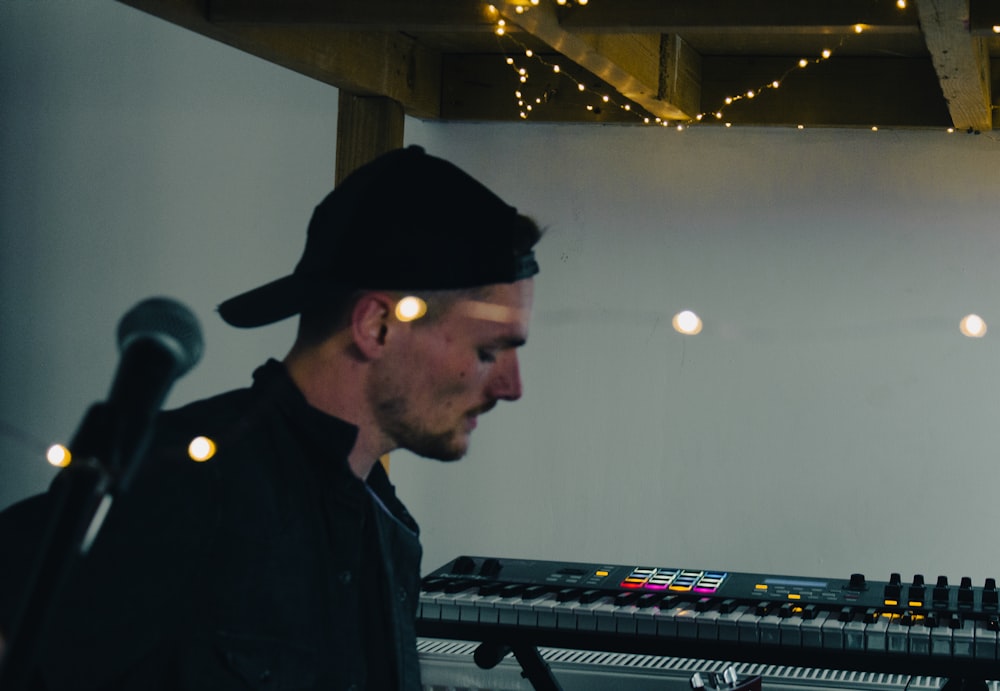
[[854, 633], [708, 624], [833, 631], [729, 622], [790, 628], [746, 626], [941, 642], [545, 607], [963, 639], [767, 628], [877, 633], [666, 619], [686, 619], [985, 646], [527, 614], [897, 636], [920, 636], [811, 628]]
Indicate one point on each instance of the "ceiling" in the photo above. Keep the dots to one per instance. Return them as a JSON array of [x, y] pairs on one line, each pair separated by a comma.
[[928, 64]]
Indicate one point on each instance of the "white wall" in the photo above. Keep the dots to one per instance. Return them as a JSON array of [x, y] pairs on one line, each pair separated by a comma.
[[829, 419]]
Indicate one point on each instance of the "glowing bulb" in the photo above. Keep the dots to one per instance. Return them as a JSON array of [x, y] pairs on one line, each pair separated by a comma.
[[996, 28], [802, 127], [803, 62], [687, 322], [751, 94], [534, 2], [627, 107], [492, 8], [729, 100], [556, 68], [529, 52], [580, 87], [827, 53], [973, 326], [517, 94], [201, 449], [605, 98], [519, 10], [874, 128], [58, 455], [901, 4], [523, 79], [775, 84], [500, 31], [410, 308], [858, 28], [522, 71], [581, 2]]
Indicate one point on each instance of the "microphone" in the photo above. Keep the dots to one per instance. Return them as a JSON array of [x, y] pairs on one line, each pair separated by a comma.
[[160, 341]]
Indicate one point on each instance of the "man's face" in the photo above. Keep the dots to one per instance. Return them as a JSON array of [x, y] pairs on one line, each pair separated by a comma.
[[442, 375]]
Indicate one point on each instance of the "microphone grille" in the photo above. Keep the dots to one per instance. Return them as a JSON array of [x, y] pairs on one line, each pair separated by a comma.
[[170, 323]]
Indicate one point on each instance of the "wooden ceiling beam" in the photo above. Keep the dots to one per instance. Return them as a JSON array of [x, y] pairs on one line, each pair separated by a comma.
[[639, 67], [455, 16], [388, 64], [784, 16], [961, 60]]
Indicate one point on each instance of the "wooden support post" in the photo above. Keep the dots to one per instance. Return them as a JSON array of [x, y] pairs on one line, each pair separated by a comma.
[[367, 126]]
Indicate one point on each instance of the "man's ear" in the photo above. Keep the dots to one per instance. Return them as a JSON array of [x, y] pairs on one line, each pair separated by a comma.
[[370, 321]]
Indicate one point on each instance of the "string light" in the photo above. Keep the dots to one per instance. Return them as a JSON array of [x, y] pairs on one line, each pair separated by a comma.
[[201, 449], [643, 117], [973, 326], [58, 455]]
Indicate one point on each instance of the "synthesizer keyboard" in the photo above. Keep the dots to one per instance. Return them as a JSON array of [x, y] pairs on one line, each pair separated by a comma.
[[913, 628]]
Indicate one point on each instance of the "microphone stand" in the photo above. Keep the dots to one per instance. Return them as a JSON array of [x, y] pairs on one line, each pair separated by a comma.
[[81, 495]]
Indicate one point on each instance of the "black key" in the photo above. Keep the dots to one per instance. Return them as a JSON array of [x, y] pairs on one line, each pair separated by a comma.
[[458, 586], [492, 588], [567, 594], [626, 598]]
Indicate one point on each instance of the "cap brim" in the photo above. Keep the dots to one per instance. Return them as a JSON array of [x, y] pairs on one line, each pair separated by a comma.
[[266, 304]]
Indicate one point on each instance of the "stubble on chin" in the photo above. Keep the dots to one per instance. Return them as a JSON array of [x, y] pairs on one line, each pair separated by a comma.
[[450, 445]]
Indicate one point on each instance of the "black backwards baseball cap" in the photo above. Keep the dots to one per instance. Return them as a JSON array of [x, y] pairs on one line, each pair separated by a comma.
[[405, 221]]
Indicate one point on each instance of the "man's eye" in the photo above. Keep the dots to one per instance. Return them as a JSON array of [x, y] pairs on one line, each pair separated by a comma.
[[486, 355]]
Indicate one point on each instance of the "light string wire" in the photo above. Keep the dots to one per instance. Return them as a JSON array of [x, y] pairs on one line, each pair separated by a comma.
[[527, 105]]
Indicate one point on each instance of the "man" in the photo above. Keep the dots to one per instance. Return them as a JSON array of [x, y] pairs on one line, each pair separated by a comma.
[[286, 560]]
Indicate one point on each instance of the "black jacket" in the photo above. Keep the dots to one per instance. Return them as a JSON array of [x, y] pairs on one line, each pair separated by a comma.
[[269, 566]]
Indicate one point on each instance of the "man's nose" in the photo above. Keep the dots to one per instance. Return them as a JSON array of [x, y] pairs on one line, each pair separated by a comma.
[[506, 382]]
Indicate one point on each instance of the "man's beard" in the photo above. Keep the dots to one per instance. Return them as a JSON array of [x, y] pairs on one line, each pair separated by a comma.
[[449, 445]]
